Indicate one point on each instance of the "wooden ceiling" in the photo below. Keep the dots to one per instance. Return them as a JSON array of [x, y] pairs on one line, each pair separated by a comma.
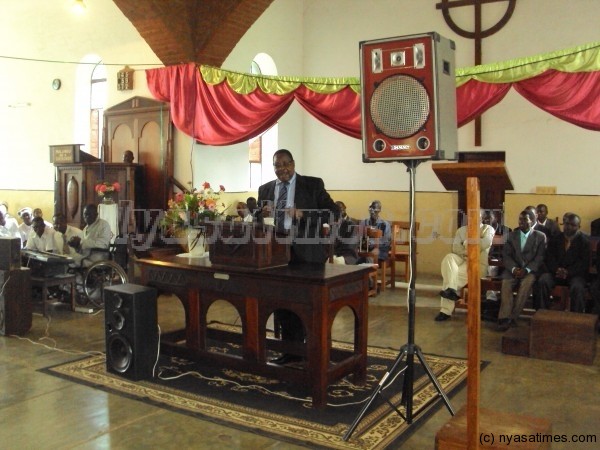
[[202, 31]]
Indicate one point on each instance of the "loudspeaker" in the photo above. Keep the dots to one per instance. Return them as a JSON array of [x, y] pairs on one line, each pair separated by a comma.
[[408, 98], [10, 253], [15, 301], [131, 330]]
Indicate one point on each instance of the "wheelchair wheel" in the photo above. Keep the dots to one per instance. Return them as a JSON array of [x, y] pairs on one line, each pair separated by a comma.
[[100, 275]]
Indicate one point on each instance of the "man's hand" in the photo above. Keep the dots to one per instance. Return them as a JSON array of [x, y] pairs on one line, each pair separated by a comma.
[[519, 273], [74, 242], [562, 273]]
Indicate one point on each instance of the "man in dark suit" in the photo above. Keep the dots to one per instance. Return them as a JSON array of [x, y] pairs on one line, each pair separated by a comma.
[[523, 256], [567, 261], [300, 206]]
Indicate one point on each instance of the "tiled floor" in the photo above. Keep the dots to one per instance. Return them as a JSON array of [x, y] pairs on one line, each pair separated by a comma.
[[42, 411]]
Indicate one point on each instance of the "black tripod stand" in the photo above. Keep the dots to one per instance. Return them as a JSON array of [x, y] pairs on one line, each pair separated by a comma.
[[408, 350]]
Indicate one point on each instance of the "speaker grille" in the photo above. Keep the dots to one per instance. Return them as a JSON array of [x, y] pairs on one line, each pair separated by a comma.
[[400, 106]]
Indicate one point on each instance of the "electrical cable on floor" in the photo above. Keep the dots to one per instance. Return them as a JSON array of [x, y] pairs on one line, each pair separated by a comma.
[[46, 336]]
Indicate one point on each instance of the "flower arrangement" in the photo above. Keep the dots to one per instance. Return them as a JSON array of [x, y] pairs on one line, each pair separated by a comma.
[[191, 208], [106, 187]]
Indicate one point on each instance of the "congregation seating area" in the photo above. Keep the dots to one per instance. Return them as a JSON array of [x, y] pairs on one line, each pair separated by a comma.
[[560, 300]]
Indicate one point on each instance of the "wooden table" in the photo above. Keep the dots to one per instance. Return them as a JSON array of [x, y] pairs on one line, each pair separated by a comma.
[[313, 292], [58, 280]]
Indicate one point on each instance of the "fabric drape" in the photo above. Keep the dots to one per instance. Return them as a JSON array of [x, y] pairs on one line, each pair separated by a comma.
[[220, 107]]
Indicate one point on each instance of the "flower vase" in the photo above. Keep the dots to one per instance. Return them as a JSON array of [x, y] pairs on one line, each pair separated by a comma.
[[196, 239], [107, 199]]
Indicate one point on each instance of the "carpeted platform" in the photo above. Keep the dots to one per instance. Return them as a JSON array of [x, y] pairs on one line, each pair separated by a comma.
[[277, 409]]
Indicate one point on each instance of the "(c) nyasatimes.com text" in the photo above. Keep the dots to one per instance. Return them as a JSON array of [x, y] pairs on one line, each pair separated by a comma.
[[508, 439]]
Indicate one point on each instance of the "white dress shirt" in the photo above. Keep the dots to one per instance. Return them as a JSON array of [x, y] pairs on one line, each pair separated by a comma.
[[43, 243]]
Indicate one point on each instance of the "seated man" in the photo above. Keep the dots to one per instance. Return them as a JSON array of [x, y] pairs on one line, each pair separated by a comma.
[[244, 213], [537, 225], [595, 287], [374, 221], [10, 224], [252, 205], [348, 237], [41, 238], [26, 215], [542, 219], [5, 231], [454, 267], [96, 235], [567, 262], [63, 233], [523, 258]]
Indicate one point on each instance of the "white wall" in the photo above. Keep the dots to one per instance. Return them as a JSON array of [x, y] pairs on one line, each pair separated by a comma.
[[47, 32]]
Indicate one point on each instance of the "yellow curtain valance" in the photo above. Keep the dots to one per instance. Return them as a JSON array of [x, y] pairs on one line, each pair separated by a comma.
[[584, 58]]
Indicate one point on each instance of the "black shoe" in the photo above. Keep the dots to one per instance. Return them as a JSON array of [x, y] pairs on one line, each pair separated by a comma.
[[441, 317], [450, 294], [286, 358], [503, 325]]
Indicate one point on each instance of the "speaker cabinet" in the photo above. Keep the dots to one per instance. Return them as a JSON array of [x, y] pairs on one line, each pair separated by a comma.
[[408, 98], [10, 253], [15, 301], [131, 330]]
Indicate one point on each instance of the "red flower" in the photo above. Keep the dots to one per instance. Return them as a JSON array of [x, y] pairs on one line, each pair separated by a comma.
[[206, 185], [222, 188], [116, 186]]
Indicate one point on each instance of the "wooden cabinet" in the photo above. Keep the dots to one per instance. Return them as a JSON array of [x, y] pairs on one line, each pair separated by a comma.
[[74, 186], [144, 127]]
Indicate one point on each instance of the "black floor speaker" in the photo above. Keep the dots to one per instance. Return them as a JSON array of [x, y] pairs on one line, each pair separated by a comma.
[[15, 301], [10, 253], [131, 330]]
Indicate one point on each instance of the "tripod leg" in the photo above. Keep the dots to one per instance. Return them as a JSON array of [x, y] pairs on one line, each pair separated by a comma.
[[374, 394], [434, 380], [407, 386]]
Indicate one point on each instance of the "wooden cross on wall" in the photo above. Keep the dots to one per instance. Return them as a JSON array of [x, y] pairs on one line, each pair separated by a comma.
[[478, 34]]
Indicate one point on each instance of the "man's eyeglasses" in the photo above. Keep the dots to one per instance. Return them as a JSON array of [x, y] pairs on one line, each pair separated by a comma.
[[283, 165]]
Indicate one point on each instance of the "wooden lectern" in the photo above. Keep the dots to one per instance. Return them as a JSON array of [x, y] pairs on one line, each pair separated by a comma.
[[455, 176]]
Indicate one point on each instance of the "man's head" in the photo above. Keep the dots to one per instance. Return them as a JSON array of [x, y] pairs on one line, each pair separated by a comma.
[[2, 220], [526, 220], [59, 222], [38, 226], [26, 215], [3, 207], [90, 214], [374, 209], [542, 212], [571, 224], [283, 164], [128, 156], [242, 209], [252, 204], [342, 207], [534, 209], [37, 212]]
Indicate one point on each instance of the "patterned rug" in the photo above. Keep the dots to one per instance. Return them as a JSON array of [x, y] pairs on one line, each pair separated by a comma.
[[280, 410]]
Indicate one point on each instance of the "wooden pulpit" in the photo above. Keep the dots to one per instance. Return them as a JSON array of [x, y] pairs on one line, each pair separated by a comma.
[[454, 177]]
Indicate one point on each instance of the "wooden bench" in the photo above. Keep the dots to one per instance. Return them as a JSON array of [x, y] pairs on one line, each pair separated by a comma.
[[563, 336], [59, 280]]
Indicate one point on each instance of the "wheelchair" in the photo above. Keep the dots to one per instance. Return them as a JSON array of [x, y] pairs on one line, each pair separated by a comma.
[[97, 271]]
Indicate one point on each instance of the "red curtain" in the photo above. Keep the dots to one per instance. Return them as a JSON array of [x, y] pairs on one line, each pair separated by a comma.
[[574, 97], [217, 115], [474, 98]]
